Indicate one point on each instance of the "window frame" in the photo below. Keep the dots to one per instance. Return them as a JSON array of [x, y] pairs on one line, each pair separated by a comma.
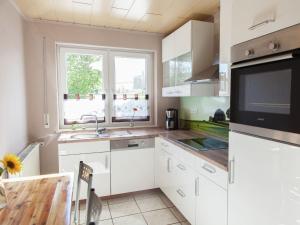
[[108, 82], [149, 82]]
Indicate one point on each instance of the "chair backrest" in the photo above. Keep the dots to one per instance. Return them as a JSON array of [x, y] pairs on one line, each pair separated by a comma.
[[85, 174], [94, 208]]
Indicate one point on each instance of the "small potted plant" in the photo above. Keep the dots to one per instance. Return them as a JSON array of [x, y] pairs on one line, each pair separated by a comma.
[[11, 164]]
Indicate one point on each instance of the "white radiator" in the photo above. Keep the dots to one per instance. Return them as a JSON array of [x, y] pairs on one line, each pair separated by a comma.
[[30, 157]]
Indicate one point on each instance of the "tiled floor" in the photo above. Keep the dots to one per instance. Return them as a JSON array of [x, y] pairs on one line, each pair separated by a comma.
[[142, 208]]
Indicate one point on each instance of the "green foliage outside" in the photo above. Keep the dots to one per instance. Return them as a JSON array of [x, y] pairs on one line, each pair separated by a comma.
[[83, 78]]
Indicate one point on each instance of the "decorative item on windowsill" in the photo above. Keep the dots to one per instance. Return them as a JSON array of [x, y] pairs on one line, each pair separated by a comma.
[[11, 164], [132, 118]]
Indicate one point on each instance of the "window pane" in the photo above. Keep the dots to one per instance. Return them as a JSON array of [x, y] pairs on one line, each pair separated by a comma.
[[130, 75], [84, 78], [131, 101]]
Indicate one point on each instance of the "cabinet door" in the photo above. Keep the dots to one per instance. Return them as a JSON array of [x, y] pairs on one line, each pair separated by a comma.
[[211, 203], [265, 186], [132, 170], [100, 162], [185, 191], [168, 48], [165, 174], [247, 13], [183, 40]]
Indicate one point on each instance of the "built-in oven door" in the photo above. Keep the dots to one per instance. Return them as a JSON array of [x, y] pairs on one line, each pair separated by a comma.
[[266, 93]]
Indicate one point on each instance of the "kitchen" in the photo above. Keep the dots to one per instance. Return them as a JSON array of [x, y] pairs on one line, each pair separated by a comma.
[[182, 112]]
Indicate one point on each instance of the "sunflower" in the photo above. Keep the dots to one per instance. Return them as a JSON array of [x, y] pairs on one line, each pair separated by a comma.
[[12, 163]]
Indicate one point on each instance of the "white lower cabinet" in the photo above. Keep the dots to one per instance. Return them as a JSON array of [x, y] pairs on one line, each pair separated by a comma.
[[197, 196], [211, 203], [95, 154], [185, 190], [165, 177], [100, 162], [132, 170]]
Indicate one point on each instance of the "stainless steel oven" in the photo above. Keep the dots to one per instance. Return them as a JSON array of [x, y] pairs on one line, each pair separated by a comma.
[[265, 86]]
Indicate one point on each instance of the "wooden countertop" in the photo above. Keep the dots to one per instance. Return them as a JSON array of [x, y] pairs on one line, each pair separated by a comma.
[[216, 157], [112, 134], [39, 200]]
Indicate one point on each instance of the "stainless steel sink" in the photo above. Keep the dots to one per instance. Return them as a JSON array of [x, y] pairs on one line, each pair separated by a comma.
[[122, 133], [85, 136]]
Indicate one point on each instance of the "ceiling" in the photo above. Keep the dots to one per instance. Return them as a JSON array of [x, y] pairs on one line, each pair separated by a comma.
[[159, 16]]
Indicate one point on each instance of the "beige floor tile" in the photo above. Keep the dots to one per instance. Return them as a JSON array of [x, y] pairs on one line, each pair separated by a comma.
[[105, 222], [151, 203], [105, 214], [166, 200], [118, 200], [160, 217], [178, 214], [146, 194], [124, 209], [137, 219]]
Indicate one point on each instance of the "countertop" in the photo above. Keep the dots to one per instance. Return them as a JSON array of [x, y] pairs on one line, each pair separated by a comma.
[[39, 200], [216, 157]]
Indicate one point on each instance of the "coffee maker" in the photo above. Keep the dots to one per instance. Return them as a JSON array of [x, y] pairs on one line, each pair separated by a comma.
[[171, 119]]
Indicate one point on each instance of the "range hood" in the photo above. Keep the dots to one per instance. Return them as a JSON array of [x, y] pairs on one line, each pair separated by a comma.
[[208, 75]]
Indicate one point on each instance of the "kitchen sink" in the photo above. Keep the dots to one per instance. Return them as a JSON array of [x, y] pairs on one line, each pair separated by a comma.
[[85, 136], [121, 133]]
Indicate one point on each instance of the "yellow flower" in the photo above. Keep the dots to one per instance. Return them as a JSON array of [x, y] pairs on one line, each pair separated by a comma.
[[12, 163]]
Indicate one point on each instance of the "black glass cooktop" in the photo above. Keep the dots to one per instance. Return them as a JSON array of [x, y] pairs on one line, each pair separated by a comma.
[[205, 144]]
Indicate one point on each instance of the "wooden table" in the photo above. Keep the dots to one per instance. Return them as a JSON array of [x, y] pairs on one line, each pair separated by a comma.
[[40, 200]]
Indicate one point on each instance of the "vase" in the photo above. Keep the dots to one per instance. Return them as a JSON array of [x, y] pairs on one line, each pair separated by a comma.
[[3, 196]]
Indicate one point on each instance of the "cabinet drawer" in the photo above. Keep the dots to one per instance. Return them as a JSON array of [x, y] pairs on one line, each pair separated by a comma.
[[212, 172], [185, 190], [83, 147]]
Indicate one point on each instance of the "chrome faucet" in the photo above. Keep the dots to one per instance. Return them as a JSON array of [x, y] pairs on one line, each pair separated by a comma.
[[95, 118]]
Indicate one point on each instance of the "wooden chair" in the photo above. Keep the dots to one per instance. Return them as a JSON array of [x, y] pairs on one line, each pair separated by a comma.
[[85, 174], [94, 208]]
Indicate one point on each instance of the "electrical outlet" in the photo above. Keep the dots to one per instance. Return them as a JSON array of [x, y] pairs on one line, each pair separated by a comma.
[[46, 120], [193, 110]]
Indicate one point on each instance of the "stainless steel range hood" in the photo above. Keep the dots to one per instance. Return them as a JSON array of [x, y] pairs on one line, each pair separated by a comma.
[[208, 75]]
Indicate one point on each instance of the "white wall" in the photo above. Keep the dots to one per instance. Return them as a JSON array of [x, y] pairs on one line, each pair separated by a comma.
[[53, 32], [13, 122]]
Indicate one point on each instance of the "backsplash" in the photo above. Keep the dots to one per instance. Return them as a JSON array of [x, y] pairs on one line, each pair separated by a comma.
[[195, 113]]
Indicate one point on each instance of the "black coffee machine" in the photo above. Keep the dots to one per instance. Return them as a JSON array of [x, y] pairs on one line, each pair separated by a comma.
[[171, 119]]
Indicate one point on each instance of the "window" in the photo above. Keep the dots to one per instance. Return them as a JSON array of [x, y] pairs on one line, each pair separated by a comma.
[[114, 86]]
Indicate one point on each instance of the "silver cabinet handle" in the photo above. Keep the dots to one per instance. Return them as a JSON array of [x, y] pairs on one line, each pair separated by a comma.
[[106, 162], [182, 167], [209, 168], [169, 165], [231, 171], [181, 193], [197, 186], [261, 23]]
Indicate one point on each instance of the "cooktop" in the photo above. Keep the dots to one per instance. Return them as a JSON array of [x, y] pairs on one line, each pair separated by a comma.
[[205, 143]]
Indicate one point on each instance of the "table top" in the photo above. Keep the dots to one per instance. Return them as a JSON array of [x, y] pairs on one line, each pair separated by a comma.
[[38, 200]]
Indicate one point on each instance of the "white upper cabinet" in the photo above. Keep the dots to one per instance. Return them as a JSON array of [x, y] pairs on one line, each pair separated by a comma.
[[255, 18], [178, 43], [187, 51]]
